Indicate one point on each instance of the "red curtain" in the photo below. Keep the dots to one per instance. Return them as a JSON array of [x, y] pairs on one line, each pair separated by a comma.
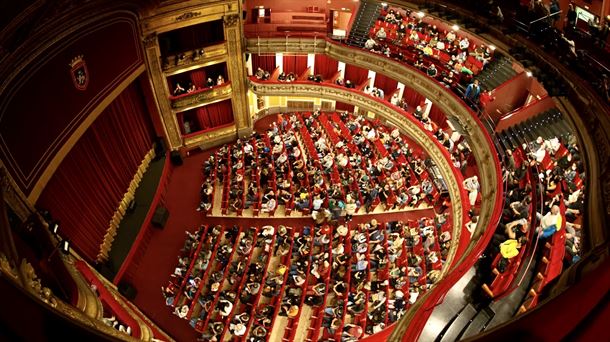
[[386, 83], [412, 97], [355, 74], [438, 116], [325, 66], [266, 63], [214, 115], [344, 106], [88, 185], [296, 64], [217, 69], [198, 78]]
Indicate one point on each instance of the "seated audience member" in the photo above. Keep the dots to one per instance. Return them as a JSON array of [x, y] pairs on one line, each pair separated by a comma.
[[381, 34], [550, 223], [510, 248], [472, 186], [220, 80], [179, 90], [209, 83]]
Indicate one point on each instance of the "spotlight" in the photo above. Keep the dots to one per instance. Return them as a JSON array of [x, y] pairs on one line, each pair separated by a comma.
[[383, 4], [455, 28], [492, 48], [528, 73], [420, 14]]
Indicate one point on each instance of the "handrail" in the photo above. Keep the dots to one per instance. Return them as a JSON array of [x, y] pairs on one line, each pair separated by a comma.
[[586, 54], [546, 16]]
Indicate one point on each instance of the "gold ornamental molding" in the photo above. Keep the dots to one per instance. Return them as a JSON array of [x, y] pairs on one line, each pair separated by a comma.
[[212, 138], [204, 97], [231, 20], [187, 16], [452, 106], [408, 126], [192, 60], [33, 285], [185, 13]]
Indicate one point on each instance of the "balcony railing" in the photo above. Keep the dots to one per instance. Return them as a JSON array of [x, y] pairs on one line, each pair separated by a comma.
[[201, 97], [173, 64]]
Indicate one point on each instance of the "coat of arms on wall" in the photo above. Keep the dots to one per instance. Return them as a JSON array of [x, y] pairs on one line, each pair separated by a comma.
[[79, 72]]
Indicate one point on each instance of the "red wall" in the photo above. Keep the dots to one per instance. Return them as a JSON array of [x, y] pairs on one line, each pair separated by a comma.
[[509, 95], [32, 131]]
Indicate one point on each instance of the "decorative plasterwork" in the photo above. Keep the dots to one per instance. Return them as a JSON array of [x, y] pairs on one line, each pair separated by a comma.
[[191, 59], [212, 138], [187, 16], [203, 97], [231, 20]]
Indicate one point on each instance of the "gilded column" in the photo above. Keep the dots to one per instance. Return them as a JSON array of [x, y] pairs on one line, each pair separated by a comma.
[[160, 91], [237, 74]]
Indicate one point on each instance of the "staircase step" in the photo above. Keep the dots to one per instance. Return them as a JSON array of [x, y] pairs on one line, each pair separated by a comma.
[[459, 323], [478, 323]]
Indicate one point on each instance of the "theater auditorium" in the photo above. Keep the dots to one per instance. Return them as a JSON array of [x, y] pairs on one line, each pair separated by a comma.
[[329, 170]]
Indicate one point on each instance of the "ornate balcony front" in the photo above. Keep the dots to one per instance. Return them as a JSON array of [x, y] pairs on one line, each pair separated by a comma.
[[201, 97]]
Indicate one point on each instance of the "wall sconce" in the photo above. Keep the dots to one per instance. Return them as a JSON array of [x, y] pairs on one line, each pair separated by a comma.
[[54, 228], [63, 246]]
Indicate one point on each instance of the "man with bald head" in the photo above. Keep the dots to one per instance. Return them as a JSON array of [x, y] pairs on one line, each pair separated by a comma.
[[550, 223]]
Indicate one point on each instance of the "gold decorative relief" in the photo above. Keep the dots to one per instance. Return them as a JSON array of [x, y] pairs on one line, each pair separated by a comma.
[[202, 97], [7, 269], [231, 20], [34, 285], [150, 40], [192, 59], [187, 16]]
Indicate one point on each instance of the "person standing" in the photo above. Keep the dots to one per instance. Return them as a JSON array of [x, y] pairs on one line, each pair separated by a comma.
[[570, 18], [473, 91]]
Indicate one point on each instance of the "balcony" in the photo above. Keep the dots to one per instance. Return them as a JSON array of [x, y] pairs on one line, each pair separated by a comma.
[[201, 97], [188, 60]]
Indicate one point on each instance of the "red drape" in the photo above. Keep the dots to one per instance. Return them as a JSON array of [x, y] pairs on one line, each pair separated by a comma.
[[386, 83], [412, 97], [264, 62], [214, 115], [217, 69], [438, 116], [325, 66], [198, 77], [295, 64], [88, 185], [344, 106], [355, 74]]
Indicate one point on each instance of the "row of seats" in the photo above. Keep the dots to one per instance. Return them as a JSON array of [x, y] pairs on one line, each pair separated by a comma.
[[325, 282], [544, 185], [353, 163]]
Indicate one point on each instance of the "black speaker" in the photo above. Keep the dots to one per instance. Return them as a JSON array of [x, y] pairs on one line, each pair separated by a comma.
[[127, 290], [176, 158], [160, 217], [159, 147]]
